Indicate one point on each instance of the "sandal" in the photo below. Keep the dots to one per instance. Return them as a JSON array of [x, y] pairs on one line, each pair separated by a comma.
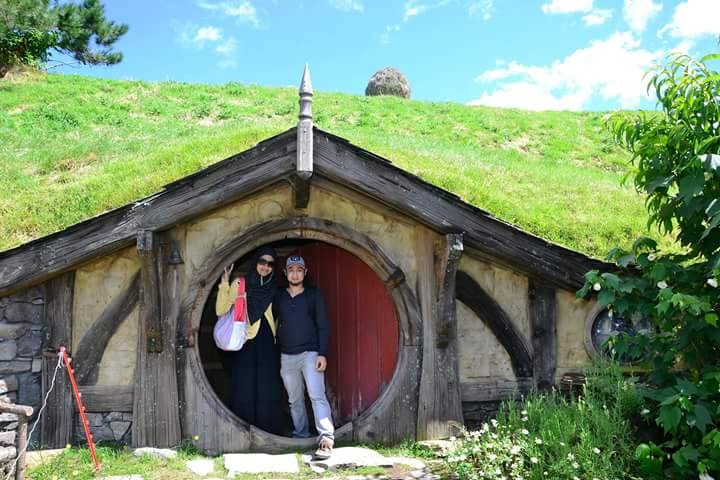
[[324, 449]]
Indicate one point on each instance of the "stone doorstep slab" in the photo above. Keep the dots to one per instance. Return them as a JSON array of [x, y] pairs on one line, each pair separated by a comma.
[[260, 463], [358, 457], [201, 466]]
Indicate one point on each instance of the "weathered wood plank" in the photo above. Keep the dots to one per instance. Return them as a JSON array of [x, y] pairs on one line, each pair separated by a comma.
[[56, 423], [439, 403], [491, 314], [543, 320], [301, 189], [338, 160], [155, 406], [93, 344], [107, 398], [208, 189], [495, 390]]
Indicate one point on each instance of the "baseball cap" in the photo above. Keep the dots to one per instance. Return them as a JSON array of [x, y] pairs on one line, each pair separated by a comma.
[[295, 260]]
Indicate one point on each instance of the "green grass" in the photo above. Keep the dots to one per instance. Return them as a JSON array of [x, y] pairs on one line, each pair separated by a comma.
[[76, 464], [72, 147]]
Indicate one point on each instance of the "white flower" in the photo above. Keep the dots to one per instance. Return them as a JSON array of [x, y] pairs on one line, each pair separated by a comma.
[[570, 455], [494, 422], [492, 456], [524, 431], [712, 282], [533, 460], [644, 411], [716, 125], [705, 476], [575, 465], [596, 450], [662, 284], [515, 449], [538, 441], [652, 257], [597, 287], [523, 412]]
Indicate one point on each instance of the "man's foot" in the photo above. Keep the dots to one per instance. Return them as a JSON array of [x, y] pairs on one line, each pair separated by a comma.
[[324, 449]]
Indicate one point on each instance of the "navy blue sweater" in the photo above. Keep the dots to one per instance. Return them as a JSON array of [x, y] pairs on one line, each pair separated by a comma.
[[302, 322]]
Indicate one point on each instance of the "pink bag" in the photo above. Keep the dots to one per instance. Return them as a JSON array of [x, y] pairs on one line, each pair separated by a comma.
[[229, 333]]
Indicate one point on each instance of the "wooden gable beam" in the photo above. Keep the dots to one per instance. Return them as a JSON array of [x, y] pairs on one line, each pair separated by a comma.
[[340, 161], [209, 189]]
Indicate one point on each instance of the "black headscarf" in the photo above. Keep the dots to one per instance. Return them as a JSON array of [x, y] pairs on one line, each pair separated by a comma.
[[260, 290]]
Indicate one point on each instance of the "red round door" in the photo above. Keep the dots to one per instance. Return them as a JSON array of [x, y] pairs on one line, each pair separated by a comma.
[[363, 329]]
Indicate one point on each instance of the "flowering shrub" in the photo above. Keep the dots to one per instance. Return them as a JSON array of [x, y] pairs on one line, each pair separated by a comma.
[[550, 436], [676, 155]]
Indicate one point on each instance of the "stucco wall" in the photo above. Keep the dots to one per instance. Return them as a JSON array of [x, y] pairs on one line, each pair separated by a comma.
[[96, 284], [482, 357], [508, 288], [571, 324], [203, 237]]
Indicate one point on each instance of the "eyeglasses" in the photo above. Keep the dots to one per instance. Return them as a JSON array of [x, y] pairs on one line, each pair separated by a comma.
[[268, 263]]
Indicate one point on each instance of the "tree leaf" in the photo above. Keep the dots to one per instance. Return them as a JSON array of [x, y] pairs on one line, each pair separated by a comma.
[[702, 417], [669, 418], [691, 184]]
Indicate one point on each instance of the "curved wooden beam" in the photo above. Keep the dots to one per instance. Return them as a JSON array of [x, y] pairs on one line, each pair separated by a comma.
[[494, 317], [93, 344]]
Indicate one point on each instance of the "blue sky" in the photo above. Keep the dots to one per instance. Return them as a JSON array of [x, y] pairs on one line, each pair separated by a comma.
[[542, 55]]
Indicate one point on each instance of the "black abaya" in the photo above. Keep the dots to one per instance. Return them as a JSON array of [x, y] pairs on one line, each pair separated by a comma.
[[256, 391], [257, 394]]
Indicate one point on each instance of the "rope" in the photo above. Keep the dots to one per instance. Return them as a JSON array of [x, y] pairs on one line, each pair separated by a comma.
[[13, 466]]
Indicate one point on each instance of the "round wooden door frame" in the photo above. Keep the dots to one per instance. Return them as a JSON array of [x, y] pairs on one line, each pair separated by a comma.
[[397, 398]]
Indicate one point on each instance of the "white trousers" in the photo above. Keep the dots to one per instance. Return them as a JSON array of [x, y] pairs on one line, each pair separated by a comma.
[[298, 373]]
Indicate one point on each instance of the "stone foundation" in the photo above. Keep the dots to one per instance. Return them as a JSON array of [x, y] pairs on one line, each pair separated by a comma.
[[104, 427], [21, 337], [477, 413]]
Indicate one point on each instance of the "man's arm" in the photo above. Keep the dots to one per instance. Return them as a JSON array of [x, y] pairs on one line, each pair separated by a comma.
[[323, 330]]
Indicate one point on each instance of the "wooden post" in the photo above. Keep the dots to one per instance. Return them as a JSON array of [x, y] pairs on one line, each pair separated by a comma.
[[543, 320], [155, 409], [57, 421], [439, 402]]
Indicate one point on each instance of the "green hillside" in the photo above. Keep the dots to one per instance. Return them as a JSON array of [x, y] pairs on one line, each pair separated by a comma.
[[73, 147]]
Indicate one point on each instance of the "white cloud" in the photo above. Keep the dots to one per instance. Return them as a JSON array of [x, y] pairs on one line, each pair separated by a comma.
[[347, 5], [568, 6], [244, 10], [227, 50], [638, 13], [611, 68], [207, 33], [597, 16], [694, 18], [482, 7]]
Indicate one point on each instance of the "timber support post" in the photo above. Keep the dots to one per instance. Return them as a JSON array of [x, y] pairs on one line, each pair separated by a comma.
[[439, 399], [57, 423], [156, 419], [543, 324]]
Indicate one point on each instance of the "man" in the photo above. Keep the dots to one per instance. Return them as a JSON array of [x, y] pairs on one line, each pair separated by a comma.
[[303, 338]]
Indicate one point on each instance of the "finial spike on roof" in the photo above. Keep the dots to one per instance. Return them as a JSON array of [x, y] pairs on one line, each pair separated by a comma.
[[305, 127], [305, 83]]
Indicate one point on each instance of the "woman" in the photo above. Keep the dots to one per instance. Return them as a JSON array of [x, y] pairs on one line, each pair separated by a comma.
[[256, 392]]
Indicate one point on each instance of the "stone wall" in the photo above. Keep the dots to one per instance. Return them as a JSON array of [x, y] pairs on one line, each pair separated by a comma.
[[104, 427], [21, 338]]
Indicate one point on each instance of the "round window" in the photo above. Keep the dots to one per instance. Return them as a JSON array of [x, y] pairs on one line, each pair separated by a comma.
[[604, 324]]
